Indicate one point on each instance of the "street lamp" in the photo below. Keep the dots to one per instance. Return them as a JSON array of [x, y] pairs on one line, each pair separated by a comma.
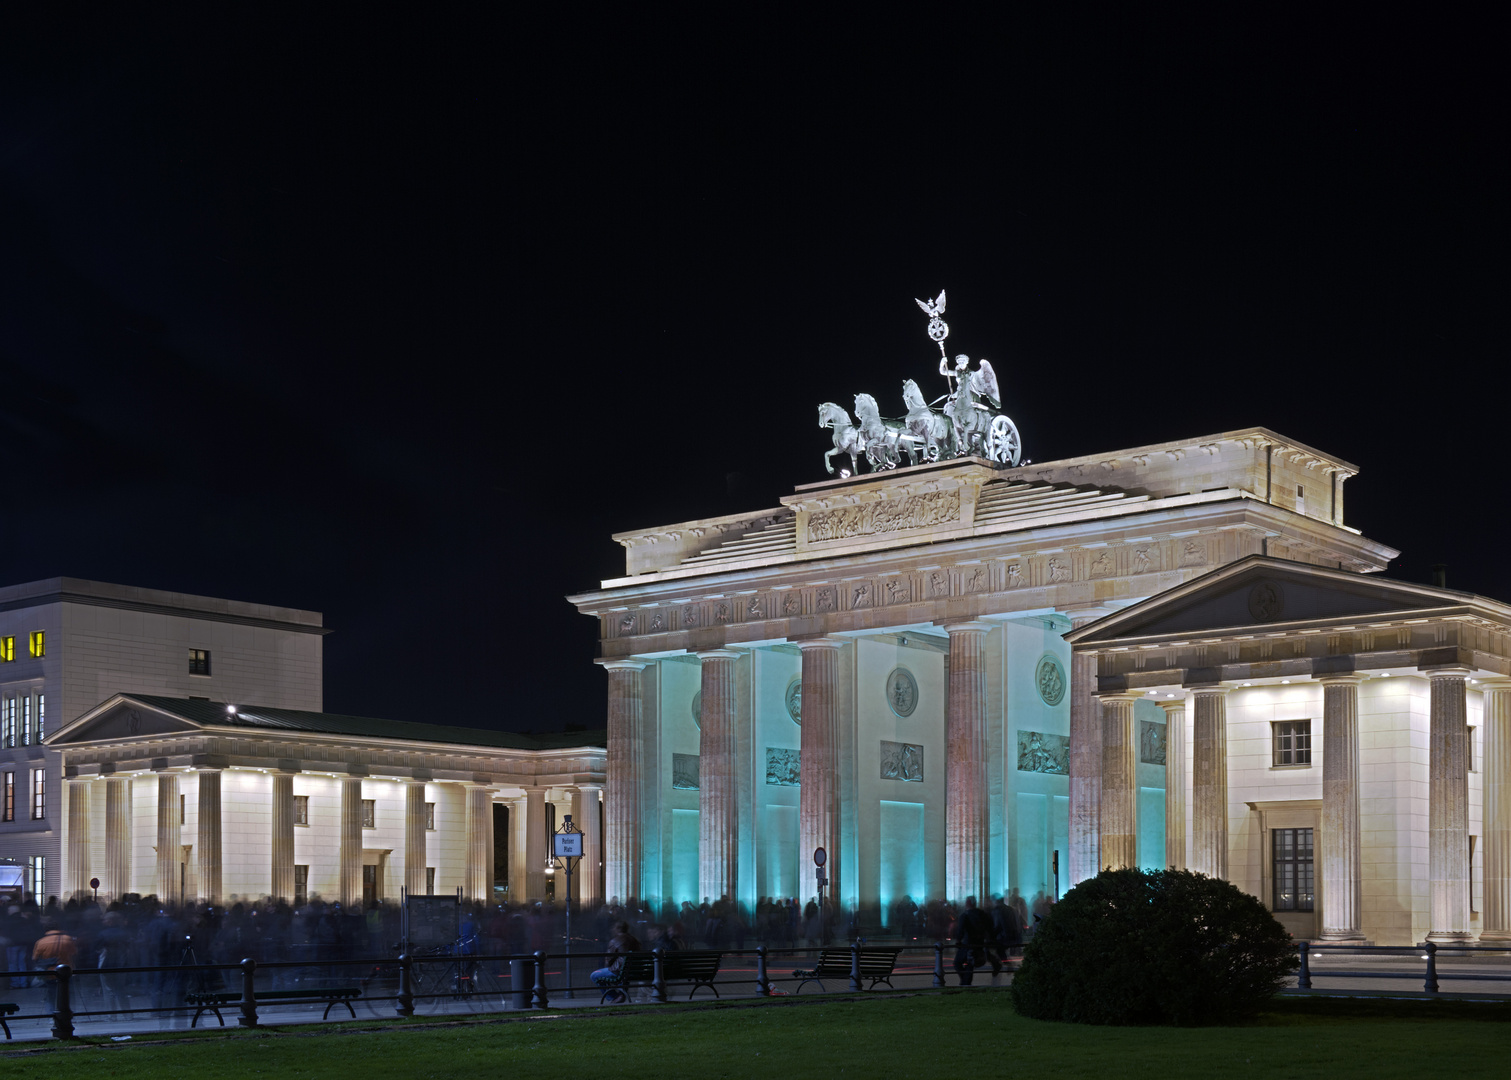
[[566, 849]]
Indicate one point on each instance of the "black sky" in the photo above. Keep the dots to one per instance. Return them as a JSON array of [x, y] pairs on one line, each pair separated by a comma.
[[293, 308]]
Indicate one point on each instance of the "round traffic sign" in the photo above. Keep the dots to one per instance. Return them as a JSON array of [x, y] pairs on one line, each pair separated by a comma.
[[820, 856], [94, 883]]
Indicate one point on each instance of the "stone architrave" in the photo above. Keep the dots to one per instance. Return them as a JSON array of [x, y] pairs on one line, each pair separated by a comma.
[[1175, 783], [169, 839], [117, 836], [479, 882], [1085, 765], [818, 793], [1496, 723], [208, 836], [965, 812], [350, 851], [1120, 747], [1342, 844], [621, 792], [1448, 805], [718, 797], [414, 837], [77, 880], [1209, 781], [282, 839]]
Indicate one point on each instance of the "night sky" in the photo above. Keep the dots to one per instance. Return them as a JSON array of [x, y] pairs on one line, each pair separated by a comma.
[[399, 318]]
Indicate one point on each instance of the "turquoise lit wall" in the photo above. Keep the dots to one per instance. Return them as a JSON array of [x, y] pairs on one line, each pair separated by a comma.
[[779, 854], [1151, 828], [902, 851], [1043, 828], [685, 855]]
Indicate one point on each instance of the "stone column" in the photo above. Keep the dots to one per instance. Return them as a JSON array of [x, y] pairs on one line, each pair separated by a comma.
[[1119, 782], [621, 791], [1209, 788], [169, 838], [965, 809], [818, 764], [535, 843], [1497, 828], [1085, 854], [281, 877], [718, 806], [479, 883], [1448, 805], [118, 812], [350, 853], [585, 815], [1175, 783], [519, 840], [414, 837], [76, 878], [208, 840], [1342, 846]]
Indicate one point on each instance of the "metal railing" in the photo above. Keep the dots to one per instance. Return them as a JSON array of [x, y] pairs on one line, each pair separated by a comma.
[[1430, 976]]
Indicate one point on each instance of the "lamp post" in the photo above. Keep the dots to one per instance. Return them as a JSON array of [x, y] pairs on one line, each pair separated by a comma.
[[566, 849]]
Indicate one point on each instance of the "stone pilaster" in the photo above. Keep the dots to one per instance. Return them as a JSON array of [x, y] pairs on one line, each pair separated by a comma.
[[479, 882], [519, 875], [1342, 845], [1175, 783], [1448, 805], [207, 851], [1209, 788], [718, 807], [350, 852], [169, 839], [1085, 855], [1497, 827], [621, 792], [965, 809], [535, 843], [818, 776], [1119, 782], [76, 877], [118, 814], [589, 868], [281, 879], [414, 837]]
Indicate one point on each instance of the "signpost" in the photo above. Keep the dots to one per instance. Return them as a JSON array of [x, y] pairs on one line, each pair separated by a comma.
[[820, 857], [566, 848], [94, 883]]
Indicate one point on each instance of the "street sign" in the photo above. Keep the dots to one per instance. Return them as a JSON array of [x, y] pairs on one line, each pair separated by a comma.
[[820, 856], [568, 845], [94, 883]]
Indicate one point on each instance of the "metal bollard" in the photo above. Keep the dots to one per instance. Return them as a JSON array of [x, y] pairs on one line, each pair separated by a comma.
[[658, 981], [855, 967], [540, 982], [405, 1005], [1304, 980], [62, 1017], [938, 963], [1431, 982], [763, 982], [248, 1017]]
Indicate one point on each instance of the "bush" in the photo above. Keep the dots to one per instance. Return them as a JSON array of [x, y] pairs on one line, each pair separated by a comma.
[[1153, 947]]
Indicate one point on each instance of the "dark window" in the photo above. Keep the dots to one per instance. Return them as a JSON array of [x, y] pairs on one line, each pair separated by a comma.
[[1293, 869], [301, 884], [10, 798], [430, 880], [38, 794], [199, 661], [301, 809], [1293, 742], [369, 883], [1469, 748], [369, 813], [183, 803], [430, 815]]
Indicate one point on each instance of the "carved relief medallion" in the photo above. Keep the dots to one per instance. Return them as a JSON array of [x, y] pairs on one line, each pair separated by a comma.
[[1101, 566], [824, 600], [939, 583], [861, 597], [1266, 601], [783, 766], [657, 622], [791, 604], [1151, 742], [1058, 571], [1049, 678], [1014, 575], [1043, 753], [902, 691], [685, 772], [753, 608], [901, 761], [891, 515], [690, 615], [898, 591], [794, 700], [627, 622], [697, 709]]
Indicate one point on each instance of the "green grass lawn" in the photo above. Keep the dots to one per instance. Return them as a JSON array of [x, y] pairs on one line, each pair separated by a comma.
[[885, 1036]]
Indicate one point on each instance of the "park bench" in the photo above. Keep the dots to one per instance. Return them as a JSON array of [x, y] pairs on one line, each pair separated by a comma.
[[213, 1001], [876, 964], [698, 968], [7, 1008]]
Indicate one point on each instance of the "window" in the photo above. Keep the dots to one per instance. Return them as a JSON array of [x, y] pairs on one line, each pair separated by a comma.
[[1469, 748], [8, 810], [301, 809], [41, 713], [430, 880], [1293, 742], [301, 884], [369, 813], [183, 809], [38, 794], [36, 876], [8, 722], [7, 649], [26, 721], [199, 661], [430, 816], [1293, 869], [39, 643]]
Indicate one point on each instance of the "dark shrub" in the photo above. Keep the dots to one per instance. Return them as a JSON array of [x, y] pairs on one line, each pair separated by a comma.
[[1153, 947]]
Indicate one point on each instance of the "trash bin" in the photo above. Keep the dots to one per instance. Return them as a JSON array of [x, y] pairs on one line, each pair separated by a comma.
[[521, 983]]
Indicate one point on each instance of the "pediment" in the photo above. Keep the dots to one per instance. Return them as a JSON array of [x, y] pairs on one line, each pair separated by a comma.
[[121, 718], [1261, 592]]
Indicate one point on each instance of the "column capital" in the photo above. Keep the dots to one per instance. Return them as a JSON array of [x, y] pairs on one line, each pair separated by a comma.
[[1112, 696], [1209, 689], [718, 654], [622, 665], [1447, 671], [1172, 706], [816, 643], [966, 626], [588, 788], [1350, 679], [1499, 684]]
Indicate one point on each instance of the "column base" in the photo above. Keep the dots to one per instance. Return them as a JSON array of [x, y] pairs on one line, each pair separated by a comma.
[[1450, 937], [1495, 935], [1342, 937]]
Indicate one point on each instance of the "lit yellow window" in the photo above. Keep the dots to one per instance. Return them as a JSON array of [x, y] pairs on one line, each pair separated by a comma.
[[7, 648], [39, 643]]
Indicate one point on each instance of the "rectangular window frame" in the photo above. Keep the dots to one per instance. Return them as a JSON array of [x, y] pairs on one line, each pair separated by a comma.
[[8, 797], [301, 884], [41, 717], [429, 881], [199, 662], [37, 643], [7, 648], [8, 722], [1293, 868], [36, 876], [430, 817], [369, 813], [39, 794], [25, 720], [1290, 744], [301, 810]]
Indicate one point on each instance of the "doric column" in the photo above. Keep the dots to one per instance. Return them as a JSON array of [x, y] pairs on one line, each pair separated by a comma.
[[169, 838], [519, 877], [818, 764], [350, 853], [1209, 788], [965, 809], [1119, 782], [718, 807], [76, 880], [1497, 827], [1448, 805], [208, 838], [1342, 847], [1085, 765], [281, 877], [1175, 783], [621, 790], [585, 816], [414, 837], [535, 843], [118, 813], [479, 883]]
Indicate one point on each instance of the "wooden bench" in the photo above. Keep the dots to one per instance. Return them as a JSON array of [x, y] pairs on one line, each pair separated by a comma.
[[208, 1001], [876, 964], [7, 1008], [697, 967]]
